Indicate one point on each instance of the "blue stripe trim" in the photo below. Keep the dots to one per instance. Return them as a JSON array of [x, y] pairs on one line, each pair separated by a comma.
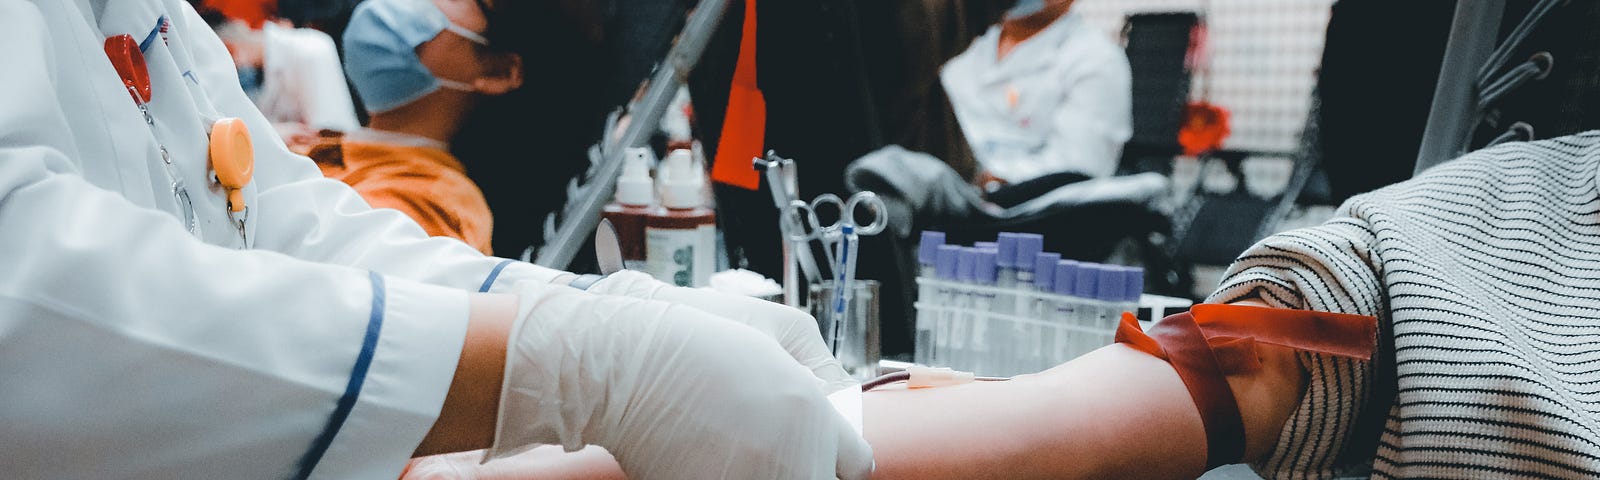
[[352, 390], [144, 46], [493, 274]]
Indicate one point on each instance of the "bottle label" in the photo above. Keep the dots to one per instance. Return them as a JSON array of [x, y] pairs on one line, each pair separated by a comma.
[[682, 257]]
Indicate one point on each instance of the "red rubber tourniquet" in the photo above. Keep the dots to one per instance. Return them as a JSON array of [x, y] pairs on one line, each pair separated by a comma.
[[1210, 342]]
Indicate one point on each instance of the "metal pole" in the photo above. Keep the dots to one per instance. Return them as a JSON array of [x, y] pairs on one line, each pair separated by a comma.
[[1450, 122], [583, 215]]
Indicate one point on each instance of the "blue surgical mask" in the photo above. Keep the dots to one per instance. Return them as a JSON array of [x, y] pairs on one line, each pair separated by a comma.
[[1025, 8], [380, 49]]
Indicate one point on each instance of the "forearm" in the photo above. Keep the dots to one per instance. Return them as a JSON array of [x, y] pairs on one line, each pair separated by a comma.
[[467, 421], [1115, 412]]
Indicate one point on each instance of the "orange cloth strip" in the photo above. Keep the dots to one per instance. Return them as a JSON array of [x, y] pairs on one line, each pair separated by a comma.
[[1210, 342], [1337, 334], [1184, 346], [744, 128]]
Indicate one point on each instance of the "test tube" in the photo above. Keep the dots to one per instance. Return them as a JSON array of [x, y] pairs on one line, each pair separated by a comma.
[[989, 345], [1006, 247], [1007, 303], [945, 259], [1111, 292], [1064, 310], [927, 258], [1135, 288], [1028, 245], [928, 252], [961, 329], [1087, 312], [1039, 309]]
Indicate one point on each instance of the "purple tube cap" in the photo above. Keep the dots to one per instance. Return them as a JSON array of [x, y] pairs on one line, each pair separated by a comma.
[[986, 245], [1112, 285], [1028, 245], [1066, 277], [1086, 284], [1135, 286], [967, 264], [984, 267], [1007, 247], [928, 250], [945, 261], [1044, 268]]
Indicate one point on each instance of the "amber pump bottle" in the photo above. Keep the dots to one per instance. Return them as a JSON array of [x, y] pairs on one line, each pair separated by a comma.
[[635, 200], [681, 234]]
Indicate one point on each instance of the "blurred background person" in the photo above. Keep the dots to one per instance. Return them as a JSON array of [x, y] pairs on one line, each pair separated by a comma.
[[419, 67], [292, 74], [1043, 98]]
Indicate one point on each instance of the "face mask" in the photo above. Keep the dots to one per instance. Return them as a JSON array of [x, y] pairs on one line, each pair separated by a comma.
[[1025, 8], [380, 45]]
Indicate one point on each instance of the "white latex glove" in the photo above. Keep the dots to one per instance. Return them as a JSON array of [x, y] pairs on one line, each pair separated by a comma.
[[548, 462], [671, 391], [792, 328]]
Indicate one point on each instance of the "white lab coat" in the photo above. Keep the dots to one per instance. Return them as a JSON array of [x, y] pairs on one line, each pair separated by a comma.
[[302, 82], [132, 349], [1058, 102]]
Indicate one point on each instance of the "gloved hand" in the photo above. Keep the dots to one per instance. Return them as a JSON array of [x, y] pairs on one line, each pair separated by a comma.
[[544, 463], [792, 328], [671, 391]]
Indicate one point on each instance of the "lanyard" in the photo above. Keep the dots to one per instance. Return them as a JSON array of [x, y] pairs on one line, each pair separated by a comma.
[[229, 149]]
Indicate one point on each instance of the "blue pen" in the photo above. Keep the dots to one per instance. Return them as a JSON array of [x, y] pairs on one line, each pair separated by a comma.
[[844, 285]]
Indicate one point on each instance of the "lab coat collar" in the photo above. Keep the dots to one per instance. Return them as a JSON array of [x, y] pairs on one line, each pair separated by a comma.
[[368, 135], [1031, 55]]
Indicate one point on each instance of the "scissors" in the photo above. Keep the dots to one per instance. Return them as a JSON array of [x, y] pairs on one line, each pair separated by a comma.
[[832, 235], [840, 240]]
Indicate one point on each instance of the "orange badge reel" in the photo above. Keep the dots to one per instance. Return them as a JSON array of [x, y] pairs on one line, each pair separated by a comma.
[[233, 160]]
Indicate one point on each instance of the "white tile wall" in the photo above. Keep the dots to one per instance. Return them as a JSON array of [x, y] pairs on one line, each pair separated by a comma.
[[1263, 60]]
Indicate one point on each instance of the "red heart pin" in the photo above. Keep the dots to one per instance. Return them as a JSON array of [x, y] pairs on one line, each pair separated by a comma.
[[126, 57]]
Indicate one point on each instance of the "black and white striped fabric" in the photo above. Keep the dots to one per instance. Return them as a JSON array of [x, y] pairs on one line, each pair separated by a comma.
[[1486, 272]]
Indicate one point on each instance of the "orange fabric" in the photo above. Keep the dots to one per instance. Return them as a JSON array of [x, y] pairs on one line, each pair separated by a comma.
[[426, 184], [1186, 348], [1337, 334], [744, 128], [1211, 341], [252, 12], [1205, 126]]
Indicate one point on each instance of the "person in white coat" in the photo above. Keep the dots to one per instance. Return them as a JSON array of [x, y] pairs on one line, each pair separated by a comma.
[[160, 318], [1042, 93]]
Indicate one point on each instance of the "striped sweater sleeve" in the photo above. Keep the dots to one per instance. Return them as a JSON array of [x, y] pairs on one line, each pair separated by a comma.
[[1326, 268]]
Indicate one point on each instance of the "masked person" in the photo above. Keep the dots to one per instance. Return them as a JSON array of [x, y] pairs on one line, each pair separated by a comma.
[[182, 297], [1043, 98], [419, 68]]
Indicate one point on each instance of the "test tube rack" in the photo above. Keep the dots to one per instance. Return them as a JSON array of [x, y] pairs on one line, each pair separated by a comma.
[[996, 331]]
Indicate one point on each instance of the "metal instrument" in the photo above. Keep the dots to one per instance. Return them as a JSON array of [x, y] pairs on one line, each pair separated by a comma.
[[781, 181], [810, 227], [841, 240]]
